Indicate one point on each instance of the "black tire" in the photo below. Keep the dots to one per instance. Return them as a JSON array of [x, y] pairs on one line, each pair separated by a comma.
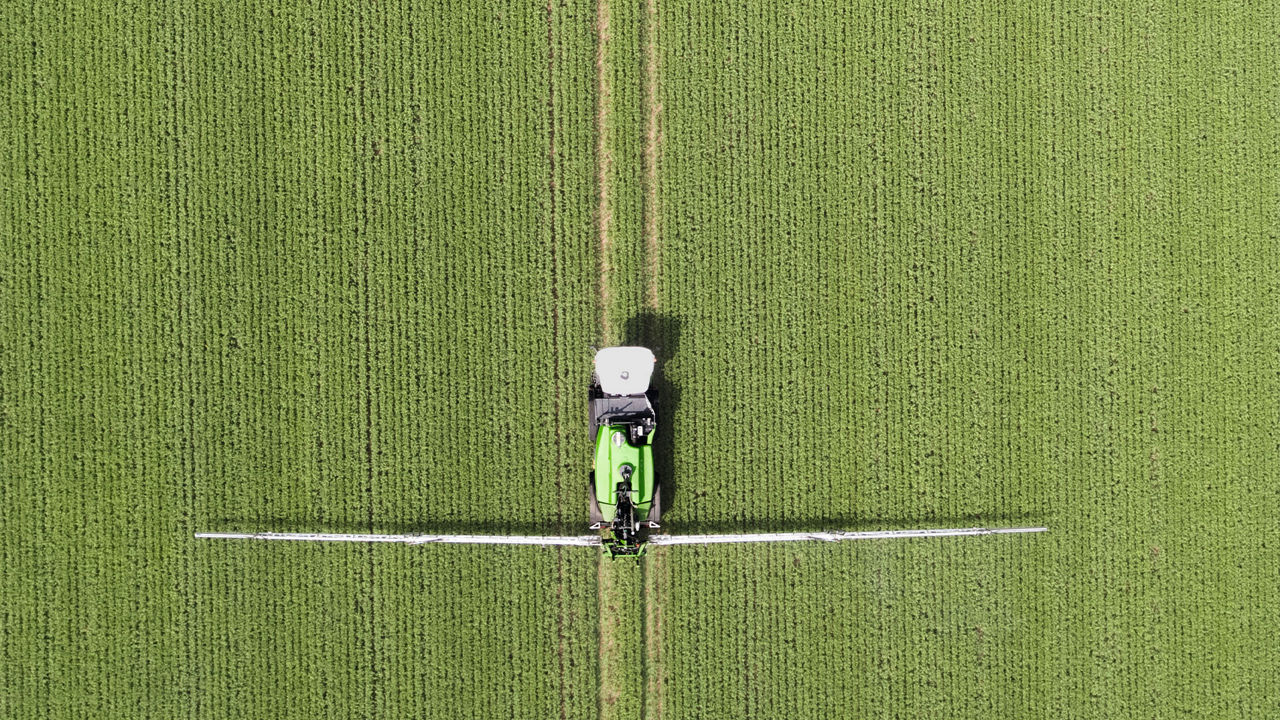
[[593, 506], [655, 509], [593, 394]]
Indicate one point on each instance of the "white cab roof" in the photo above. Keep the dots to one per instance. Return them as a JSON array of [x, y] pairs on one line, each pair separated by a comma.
[[624, 370]]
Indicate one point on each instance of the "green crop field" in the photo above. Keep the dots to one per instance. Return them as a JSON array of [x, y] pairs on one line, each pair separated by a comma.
[[338, 266]]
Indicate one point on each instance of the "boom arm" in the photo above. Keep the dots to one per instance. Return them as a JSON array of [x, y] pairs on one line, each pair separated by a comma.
[[834, 536], [595, 540], [578, 540]]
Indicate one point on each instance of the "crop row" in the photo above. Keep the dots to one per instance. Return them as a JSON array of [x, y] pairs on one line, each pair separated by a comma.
[[962, 266], [292, 267]]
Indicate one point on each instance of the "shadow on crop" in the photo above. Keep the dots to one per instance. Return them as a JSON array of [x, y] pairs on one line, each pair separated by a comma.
[[301, 524], [856, 523], [661, 333], [481, 527]]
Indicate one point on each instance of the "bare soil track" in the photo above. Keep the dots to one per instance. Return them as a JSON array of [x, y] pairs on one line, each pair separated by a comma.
[[620, 689]]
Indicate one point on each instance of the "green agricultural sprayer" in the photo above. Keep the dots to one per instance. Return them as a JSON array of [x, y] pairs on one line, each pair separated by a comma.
[[624, 491]]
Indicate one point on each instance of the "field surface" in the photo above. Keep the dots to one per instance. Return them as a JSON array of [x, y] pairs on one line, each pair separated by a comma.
[[327, 266]]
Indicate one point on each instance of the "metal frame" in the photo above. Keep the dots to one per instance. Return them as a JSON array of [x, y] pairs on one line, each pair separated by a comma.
[[578, 540], [595, 540], [835, 535]]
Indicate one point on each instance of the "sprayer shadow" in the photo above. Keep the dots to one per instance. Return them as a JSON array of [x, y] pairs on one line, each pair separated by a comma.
[[661, 333]]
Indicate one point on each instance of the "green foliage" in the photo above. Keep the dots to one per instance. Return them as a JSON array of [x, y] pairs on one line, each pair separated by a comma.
[[278, 266], [336, 267], [957, 265]]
